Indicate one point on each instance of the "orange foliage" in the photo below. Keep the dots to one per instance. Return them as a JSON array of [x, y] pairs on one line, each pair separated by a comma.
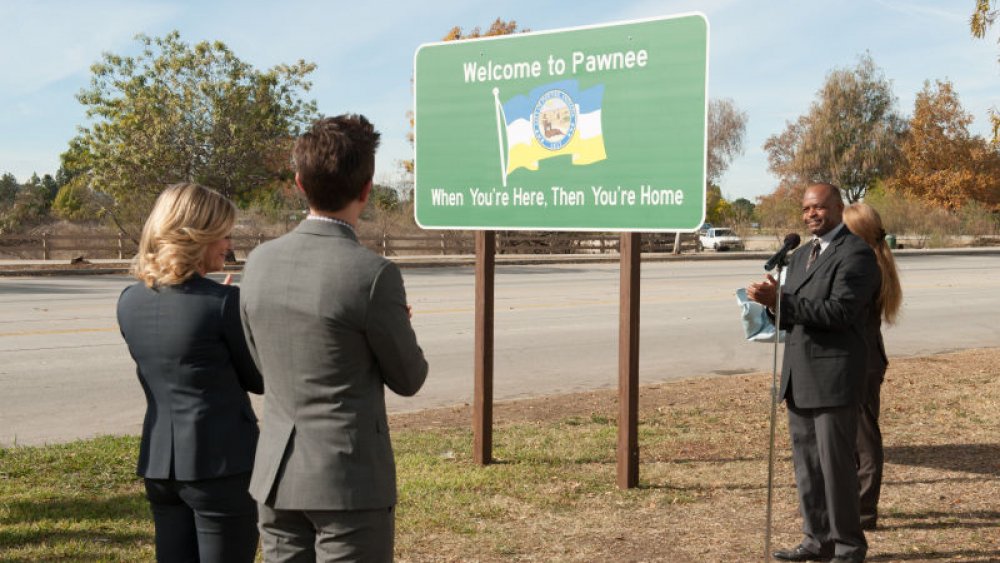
[[943, 163]]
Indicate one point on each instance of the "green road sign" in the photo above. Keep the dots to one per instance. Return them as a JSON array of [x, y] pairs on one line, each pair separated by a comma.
[[597, 128]]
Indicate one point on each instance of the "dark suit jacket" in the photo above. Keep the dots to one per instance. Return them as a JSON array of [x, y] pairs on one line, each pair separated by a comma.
[[195, 369], [824, 311], [326, 320]]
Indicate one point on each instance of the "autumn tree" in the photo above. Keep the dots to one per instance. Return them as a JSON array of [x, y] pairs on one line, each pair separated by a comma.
[[848, 137], [983, 18], [179, 112], [726, 133], [727, 125], [781, 210], [498, 27], [944, 164]]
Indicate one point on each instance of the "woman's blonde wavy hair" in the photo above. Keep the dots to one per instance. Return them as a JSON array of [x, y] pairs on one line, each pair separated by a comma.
[[862, 220], [185, 220]]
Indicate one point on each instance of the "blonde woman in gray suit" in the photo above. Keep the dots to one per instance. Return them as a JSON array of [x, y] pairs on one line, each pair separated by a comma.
[[183, 331]]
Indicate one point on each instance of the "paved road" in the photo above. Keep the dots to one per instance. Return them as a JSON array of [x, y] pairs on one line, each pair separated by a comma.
[[65, 372]]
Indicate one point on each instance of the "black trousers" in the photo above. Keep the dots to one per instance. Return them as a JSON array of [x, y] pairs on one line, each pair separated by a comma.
[[823, 452], [871, 456], [212, 520]]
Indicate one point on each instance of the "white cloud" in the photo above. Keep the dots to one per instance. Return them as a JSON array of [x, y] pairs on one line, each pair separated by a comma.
[[927, 11]]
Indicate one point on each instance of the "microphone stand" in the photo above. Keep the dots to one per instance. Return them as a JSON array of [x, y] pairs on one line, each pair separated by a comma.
[[774, 409]]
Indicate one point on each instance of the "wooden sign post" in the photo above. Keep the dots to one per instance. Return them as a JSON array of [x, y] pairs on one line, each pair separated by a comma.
[[628, 362], [482, 405]]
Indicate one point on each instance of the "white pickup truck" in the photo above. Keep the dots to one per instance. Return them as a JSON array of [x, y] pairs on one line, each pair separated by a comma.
[[719, 238]]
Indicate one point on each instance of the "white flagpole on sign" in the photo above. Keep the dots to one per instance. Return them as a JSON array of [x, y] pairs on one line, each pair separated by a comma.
[[499, 111]]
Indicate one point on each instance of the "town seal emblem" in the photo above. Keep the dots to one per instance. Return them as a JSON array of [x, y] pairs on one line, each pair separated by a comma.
[[553, 120]]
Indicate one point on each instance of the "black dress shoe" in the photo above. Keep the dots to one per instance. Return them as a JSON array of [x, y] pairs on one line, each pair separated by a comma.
[[869, 524], [799, 553], [847, 560]]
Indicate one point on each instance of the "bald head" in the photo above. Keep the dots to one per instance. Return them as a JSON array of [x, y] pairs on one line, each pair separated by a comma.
[[822, 208]]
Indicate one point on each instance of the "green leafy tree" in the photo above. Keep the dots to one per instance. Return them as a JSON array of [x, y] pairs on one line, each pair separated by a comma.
[[74, 202], [20, 205], [178, 112], [51, 187], [742, 211], [717, 209], [8, 189], [849, 136], [983, 18], [385, 198]]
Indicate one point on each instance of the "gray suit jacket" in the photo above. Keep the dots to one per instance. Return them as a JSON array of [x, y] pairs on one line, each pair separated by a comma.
[[326, 321], [824, 311], [195, 369]]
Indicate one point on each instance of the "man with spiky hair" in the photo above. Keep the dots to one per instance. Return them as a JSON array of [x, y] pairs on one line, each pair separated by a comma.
[[328, 323]]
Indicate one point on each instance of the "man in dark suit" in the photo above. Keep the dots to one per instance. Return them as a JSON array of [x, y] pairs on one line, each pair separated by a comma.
[[824, 304], [328, 323]]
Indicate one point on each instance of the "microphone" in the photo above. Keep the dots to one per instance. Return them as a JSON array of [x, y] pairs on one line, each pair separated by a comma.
[[792, 241]]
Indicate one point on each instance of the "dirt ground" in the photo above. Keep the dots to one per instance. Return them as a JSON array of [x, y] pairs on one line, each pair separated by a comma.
[[941, 491]]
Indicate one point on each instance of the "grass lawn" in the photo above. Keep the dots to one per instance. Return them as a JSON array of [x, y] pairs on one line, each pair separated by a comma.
[[551, 496]]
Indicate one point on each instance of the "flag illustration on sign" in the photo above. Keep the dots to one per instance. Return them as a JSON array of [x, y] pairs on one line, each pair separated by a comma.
[[552, 120]]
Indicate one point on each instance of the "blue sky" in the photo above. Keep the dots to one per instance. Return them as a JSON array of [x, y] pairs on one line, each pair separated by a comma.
[[770, 57]]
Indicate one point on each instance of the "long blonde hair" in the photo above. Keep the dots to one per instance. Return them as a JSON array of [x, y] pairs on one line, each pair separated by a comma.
[[185, 220], [865, 222]]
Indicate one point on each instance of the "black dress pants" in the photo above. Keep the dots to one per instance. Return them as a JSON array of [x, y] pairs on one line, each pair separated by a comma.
[[871, 456], [212, 520], [823, 453]]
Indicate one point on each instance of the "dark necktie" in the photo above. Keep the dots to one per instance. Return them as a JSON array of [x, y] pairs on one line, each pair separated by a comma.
[[813, 253]]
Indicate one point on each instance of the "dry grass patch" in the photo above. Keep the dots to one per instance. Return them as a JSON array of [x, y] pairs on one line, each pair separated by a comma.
[[702, 493], [551, 495]]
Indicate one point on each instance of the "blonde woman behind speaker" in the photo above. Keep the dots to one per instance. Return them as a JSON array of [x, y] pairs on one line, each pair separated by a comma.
[[865, 222]]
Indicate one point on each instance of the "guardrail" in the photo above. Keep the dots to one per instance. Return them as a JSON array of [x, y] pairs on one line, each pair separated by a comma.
[[50, 247]]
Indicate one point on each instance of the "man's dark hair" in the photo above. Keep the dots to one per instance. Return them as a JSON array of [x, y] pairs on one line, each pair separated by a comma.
[[335, 159]]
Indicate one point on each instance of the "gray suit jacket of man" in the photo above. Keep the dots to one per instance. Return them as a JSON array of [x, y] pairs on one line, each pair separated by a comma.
[[326, 320], [824, 311], [195, 369]]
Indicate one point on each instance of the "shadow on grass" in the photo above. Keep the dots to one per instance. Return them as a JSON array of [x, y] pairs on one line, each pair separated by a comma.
[[47, 520], [50, 538], [763, 486], [720, 487], [934, 520], [968, 555], [971, 458], [939, 480], [117, 507], [721, 459]]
